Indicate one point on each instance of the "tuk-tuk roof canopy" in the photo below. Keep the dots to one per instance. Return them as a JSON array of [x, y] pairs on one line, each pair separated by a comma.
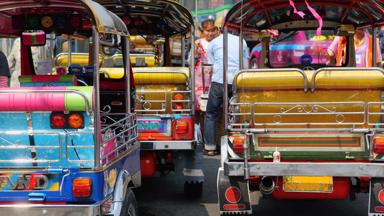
[[256, 15], [151, 17], [105, 21]]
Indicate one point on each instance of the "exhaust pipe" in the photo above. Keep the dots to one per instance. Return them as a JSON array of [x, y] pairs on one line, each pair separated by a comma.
[[267, 185]]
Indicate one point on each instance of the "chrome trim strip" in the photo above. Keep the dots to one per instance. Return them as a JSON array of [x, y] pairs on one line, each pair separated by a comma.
[[341, 169]]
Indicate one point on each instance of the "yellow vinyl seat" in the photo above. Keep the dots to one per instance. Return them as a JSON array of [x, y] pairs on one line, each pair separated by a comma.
[[340, 98], [157, 86]]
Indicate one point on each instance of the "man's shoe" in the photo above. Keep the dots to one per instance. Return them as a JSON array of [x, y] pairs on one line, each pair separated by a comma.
[[210, 152]]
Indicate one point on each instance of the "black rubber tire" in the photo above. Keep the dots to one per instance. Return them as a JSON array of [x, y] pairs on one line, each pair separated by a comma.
[[130, 207], [193, 189]]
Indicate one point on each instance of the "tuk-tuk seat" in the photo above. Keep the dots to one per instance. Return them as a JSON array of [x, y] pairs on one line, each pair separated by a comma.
[[156, 87], [160, 75], [339, 96], [76, 58], [47, 100]]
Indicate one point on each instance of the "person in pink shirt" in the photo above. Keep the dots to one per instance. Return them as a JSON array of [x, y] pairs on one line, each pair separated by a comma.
[[363, 50], [202, 69]]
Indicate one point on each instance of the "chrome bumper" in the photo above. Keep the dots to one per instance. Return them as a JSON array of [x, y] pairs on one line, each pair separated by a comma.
[[50, 210], [168, 145], [305, 169]]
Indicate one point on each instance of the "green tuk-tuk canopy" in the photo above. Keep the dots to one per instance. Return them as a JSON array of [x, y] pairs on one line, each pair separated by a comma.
[[12, 25], [256, 15], [151, 17]]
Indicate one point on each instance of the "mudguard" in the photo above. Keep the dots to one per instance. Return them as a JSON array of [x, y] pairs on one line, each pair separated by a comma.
[[376, 197], [233, 194]]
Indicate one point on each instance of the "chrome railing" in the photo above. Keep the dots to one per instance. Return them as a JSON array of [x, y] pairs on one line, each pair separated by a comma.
[[244, 115], [119, 135], [164, 102]]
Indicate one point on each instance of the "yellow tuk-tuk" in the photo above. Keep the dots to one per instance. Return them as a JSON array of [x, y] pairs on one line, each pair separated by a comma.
[[307, 123], [164, 94]]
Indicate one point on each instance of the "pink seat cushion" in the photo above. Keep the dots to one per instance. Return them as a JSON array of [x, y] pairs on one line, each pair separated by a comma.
[[42, 101]]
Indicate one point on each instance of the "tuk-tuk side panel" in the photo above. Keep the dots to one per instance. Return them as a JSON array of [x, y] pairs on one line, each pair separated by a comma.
[[57, 147]]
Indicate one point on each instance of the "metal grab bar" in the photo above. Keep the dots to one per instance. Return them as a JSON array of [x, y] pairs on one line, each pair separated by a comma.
[[342, 69], [362, 113], [165, 101], [273, 71], [88, 107]]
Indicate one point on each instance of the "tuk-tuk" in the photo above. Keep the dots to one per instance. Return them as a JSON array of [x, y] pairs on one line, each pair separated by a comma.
[[67, 147], [314, 128], [164, 94]]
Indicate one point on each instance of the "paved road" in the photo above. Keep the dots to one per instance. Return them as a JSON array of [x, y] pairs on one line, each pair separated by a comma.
[[162, 196]]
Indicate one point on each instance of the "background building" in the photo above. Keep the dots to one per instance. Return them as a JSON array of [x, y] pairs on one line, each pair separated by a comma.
[[201, 9]]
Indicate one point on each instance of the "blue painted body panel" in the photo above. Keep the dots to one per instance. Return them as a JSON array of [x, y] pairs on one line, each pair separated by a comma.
[[14, 131]]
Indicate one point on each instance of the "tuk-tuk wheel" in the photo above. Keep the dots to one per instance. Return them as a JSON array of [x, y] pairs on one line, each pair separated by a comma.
[[130, 207], [193, 189]]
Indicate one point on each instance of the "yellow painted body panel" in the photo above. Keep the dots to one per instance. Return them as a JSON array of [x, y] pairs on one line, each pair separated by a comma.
[[298, 96], [308, 184]]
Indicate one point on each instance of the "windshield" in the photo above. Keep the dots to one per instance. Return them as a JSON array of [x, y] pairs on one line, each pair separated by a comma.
[[297, 49]]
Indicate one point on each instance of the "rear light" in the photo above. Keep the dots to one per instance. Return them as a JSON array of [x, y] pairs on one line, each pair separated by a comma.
[[76, 121], [82, 187], [178, 97], [57, 120], [237, 143], [60, 120], [181, 127], [378, 144]]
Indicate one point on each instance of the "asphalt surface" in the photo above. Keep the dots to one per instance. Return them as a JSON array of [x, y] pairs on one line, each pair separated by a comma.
[[163, 196]]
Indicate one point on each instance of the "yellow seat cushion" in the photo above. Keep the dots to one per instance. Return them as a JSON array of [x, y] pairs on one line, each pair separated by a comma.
[[340, 97], [76, 58], [363, 78], [160, 75]]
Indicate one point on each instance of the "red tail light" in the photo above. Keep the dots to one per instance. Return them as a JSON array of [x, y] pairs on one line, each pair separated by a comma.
[[76, 121], [237, 143], [82, 187], [378, 144], [58, 120], [178, 97], [181, 127]]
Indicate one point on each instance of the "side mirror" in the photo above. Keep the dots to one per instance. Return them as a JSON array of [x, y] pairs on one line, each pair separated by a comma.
[[33, 38]]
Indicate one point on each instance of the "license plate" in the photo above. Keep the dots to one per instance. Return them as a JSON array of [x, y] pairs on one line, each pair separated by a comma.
[[323, 184], [153, 125]]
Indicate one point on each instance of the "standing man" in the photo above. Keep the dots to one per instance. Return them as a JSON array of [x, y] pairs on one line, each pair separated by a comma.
[[215, 98]]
